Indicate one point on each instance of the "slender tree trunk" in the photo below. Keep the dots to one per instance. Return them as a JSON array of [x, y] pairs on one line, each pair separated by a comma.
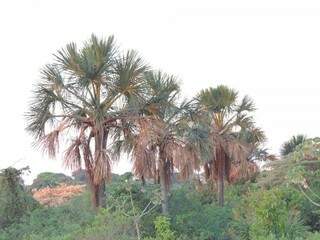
[[221, 190], [98, 190], [221, 174], [163, 188], [95, 196], [102, 195]]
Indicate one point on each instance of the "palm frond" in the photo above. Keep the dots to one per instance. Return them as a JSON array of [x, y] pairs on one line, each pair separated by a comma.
[[72, 156], [217, 99], [290, 145], [246, 105], [129, 72], [102, 167]]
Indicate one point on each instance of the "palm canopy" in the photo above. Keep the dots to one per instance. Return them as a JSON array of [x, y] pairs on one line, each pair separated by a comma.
[[84, 94], [157, 143], [161, 127], [290, 145], [231, 131]]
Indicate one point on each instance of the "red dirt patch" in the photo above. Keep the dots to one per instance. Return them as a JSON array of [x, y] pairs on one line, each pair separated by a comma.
[[57, 195]]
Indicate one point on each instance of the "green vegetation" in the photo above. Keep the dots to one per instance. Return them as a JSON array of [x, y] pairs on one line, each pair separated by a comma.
[[48, 179], [195, 161], [14, 200], [250, 212], [290, 145]]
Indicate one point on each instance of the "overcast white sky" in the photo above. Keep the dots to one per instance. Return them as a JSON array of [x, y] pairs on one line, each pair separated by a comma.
[[269, 50]]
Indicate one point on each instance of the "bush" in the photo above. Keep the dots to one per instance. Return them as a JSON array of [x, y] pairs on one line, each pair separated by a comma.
[[14, 200], [51, 223], [196, 215], [163, 230], [108, 225], [273, 212]]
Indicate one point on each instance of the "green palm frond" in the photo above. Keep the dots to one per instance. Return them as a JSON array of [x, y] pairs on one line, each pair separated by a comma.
[[290, 145], [163, 90], [129, 70], [217, 99], [70, 60], [246, 104]]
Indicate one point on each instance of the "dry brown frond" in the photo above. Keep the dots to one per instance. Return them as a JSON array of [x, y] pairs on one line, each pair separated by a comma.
[[72, 156], [239, 152], [50, 143], [102, 167], [144, 161], [185, 159], [236, 173], [144, 149]]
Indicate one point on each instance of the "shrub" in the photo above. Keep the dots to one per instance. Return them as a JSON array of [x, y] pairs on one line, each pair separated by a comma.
[[273, 212], [197, 216], [163, 230], [47, 223], [14, 200], [108, 225]]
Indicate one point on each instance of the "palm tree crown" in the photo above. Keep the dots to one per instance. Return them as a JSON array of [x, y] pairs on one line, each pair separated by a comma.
[[228, 122], [83, 95], [158, 144], [290, 145]]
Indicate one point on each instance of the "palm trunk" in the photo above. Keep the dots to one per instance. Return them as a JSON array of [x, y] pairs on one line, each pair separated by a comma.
[[102, 195], [95, 196], [98, 190], [221, 174], [221, 190], [163, 188]]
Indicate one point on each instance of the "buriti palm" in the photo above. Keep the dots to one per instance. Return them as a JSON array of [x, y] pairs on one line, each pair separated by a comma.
[[84, 95]]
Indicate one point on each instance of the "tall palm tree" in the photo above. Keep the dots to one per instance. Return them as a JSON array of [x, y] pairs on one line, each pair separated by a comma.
[[225, 118], [83, 95], [159, 146]]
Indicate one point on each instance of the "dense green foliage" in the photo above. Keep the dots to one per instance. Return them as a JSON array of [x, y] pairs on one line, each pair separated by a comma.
[[251, 212], [48, 179], [14, 201]]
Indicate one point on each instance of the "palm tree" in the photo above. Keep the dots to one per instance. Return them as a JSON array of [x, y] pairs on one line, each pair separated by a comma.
[[82, 96], [159, 146], [290, 145], [226, 120]]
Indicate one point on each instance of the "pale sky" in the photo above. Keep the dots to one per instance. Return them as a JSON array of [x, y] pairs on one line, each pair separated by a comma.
[[269, 50]]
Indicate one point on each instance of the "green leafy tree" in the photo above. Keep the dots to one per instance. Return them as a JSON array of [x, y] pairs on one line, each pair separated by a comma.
[[129, 200], [276, 212], [48, 179], [85, 94], [14, 200]]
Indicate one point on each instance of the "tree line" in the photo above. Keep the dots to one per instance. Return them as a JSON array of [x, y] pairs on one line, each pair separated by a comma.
[[95, 103]]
